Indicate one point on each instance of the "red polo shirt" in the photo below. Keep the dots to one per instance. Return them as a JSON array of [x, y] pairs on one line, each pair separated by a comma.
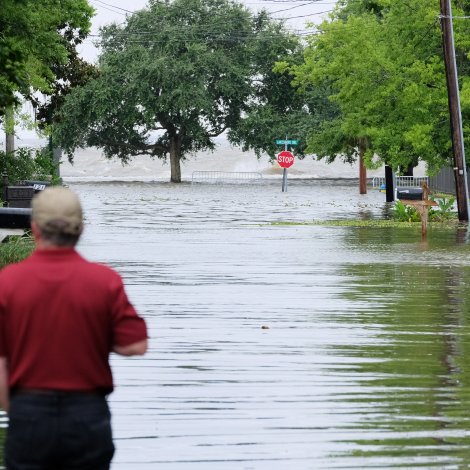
[[60, 316]]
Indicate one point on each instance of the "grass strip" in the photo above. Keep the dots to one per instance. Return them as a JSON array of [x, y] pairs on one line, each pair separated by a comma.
[[15, 249], [371, 223]]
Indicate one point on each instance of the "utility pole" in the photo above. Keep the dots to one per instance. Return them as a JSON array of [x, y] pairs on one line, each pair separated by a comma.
[[460, 170], [362, 168]]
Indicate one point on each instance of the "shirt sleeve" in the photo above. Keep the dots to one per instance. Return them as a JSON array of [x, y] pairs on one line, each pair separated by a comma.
[[3, 345], [128, 326]]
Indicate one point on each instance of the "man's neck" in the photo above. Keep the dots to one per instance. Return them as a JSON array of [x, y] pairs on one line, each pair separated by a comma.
[[48, 246]]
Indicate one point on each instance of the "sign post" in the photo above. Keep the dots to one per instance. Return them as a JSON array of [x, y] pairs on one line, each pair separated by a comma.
[[285, 159]]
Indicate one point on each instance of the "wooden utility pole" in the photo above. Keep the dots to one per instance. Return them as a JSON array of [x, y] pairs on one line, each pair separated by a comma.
[[362, 169], [460, 170]]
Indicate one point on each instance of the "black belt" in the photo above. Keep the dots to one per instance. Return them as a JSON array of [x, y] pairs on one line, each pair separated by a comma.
[[50, 392]]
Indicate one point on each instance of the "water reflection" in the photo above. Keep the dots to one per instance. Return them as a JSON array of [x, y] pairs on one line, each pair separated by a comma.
[[415, 378]]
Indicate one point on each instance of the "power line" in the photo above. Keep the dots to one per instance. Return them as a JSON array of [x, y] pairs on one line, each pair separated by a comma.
[[113, 6], [203, 30], [110, 9], [211, 25], [304, 16], [290, 8]]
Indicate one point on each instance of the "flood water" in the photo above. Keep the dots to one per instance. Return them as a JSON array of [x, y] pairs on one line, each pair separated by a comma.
[[284, 346]]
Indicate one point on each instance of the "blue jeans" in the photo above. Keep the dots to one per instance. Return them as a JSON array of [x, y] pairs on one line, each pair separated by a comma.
[[59, 431]]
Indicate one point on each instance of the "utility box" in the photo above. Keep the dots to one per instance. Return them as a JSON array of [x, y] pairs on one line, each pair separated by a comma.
[[412, 194], [20, 196]]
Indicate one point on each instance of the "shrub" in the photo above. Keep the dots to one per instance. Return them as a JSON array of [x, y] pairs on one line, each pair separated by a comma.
[[25, 164], [15, 249], [404, 213], [445, 209]]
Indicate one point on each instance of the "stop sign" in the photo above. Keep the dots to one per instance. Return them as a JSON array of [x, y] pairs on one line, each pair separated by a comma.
[[285, 159]]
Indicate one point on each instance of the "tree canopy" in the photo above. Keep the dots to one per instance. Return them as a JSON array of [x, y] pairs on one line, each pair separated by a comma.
[[173, 77], [382, 62], [33, 37]]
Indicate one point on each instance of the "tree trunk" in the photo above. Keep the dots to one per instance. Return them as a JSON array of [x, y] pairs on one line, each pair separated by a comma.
[[409, 170], [175, 147], [362, 170], [9, 129]]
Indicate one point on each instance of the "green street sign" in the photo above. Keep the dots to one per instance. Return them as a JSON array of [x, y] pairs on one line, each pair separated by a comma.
[[288, 142]]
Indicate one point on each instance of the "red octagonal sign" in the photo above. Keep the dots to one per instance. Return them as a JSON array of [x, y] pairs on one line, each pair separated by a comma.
[[285, 159]]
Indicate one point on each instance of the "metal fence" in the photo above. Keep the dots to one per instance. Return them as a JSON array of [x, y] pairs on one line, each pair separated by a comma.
[[406, 181], [444, 181], [227, 177]]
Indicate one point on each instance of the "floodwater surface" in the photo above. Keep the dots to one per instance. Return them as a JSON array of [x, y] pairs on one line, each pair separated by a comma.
[[278, 346]]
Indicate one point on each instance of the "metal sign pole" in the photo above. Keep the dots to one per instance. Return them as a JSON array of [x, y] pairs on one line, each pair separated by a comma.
[[285, 158], [284, 173], [284, 181]]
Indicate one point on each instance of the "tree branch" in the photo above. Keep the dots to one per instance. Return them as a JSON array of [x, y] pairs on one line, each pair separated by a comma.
[[215, 133]]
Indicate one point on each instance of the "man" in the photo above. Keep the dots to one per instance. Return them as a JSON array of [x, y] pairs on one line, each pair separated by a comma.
[[60, 317]]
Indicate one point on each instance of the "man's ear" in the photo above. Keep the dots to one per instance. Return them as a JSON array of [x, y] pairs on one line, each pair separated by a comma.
[[35, 231]]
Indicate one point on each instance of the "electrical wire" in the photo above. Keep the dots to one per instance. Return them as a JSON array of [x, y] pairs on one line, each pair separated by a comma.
[[290, 8], [110, 7], [304, 16], [107, 9], [113, 6]]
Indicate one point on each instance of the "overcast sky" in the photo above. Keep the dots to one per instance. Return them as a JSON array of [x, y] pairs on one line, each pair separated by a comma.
[[296, 13]]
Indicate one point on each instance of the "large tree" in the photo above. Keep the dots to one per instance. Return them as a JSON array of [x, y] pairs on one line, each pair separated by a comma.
[[275, 109], [33, 37], [383, 63], [74, 72], [174, 76]]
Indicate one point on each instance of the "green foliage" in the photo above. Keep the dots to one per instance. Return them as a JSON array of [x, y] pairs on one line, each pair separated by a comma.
[[404, 213], [382, 62], [15, 249], [74, 72], [26, 164], [446, 209], [200, 68], [12, 74], [33, 38], [276, 109]]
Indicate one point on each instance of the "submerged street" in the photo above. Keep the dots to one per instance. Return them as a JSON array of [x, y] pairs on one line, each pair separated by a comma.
[[278, 346]]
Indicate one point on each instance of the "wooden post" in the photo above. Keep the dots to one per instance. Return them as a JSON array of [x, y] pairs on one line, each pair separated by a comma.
[[423, 211], [422, 207], [460, 170]]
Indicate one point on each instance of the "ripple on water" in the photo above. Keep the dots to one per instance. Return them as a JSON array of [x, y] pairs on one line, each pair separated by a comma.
[[363, 358]]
